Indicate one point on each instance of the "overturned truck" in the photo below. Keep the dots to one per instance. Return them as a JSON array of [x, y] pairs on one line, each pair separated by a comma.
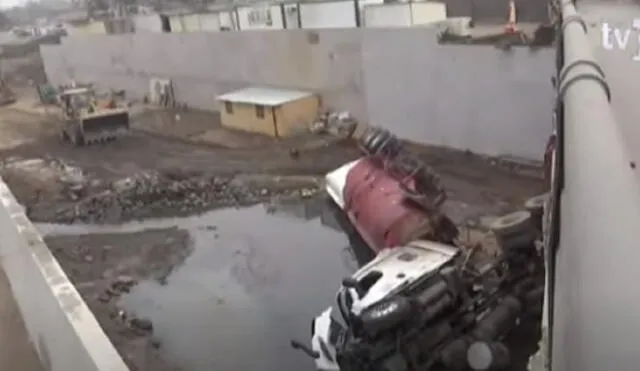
[[425, 303]]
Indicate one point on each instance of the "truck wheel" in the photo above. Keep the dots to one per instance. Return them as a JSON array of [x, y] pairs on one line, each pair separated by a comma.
[[514, 230], [512, 223], [385, 314], [535, 205]]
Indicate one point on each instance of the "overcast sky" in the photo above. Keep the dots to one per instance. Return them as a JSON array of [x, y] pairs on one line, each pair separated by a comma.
[[10, 3]]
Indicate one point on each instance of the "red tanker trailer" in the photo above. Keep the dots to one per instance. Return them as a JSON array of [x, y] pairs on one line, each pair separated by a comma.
[[390, 197]]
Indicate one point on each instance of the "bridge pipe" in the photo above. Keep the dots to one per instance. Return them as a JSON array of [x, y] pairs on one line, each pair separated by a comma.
[[594, 323]]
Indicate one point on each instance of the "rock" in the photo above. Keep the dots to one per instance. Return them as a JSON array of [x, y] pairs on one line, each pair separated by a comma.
[[141, 324], [307, 192], [122, 314], [125, 280], [123, 283], [105, 297], [155, 343], [144, 194]]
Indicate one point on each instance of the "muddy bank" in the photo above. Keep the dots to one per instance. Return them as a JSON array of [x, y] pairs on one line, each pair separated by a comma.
[[103, 267]]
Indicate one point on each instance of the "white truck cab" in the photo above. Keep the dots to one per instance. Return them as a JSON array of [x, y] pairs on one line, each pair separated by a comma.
[[382, 278]]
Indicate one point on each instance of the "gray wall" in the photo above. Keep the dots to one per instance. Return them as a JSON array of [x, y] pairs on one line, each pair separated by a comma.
[[61, 327], [465, 97], [477, 98]]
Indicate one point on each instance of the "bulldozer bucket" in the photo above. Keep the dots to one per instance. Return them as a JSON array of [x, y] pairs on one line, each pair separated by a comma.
[[105, 126]]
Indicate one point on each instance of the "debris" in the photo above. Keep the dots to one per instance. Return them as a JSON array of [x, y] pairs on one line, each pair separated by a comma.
[[149, 193], [340, 124], [142, 324], [294, 153]]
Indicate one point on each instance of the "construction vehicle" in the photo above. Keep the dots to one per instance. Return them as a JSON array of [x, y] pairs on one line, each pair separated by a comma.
[[87, 121]]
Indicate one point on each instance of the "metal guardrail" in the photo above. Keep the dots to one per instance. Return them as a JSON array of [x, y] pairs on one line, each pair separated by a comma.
[[593, 218]]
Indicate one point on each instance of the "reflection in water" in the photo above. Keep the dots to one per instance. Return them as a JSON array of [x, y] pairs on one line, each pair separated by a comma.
[[254, 280]]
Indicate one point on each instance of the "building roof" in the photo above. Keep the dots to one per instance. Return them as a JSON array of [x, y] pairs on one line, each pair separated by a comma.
[[263, 96]]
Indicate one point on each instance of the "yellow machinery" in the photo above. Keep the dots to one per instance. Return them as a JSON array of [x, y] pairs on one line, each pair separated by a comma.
[[85, 121]]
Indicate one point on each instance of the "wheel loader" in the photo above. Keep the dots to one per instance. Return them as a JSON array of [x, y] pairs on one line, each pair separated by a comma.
[[87, 121]]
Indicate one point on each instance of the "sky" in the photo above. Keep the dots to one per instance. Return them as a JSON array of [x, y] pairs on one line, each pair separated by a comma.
[[4, 4]]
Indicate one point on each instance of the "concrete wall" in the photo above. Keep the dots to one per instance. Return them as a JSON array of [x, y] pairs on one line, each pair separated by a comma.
[[466, 97], [478, 98], [205, 65], [63, 330]]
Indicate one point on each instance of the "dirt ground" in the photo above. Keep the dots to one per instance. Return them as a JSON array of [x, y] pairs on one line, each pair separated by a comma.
[[154, 175]]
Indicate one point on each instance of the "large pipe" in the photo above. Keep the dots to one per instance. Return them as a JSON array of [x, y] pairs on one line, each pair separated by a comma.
[[594, 303]]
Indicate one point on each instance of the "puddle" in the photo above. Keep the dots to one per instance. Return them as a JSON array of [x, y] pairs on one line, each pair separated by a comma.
[[254, 280]]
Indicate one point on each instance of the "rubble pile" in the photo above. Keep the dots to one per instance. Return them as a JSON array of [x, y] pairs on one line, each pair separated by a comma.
[[156, 194], [340, 124]]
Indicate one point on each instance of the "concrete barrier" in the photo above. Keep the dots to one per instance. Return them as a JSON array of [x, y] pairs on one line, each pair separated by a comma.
[[61, 327]]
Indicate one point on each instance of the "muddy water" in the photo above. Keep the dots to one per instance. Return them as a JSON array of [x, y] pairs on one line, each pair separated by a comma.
[[254, 280]]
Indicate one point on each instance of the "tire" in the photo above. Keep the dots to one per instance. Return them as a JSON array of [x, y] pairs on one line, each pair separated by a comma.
[[515, 231], [519, 221], [536, 204], [374, 320]]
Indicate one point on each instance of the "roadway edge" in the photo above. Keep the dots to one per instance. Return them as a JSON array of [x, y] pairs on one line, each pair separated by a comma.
[[61, 327]]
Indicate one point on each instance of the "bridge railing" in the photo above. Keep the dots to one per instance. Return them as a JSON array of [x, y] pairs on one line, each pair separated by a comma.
[[593, 218]]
